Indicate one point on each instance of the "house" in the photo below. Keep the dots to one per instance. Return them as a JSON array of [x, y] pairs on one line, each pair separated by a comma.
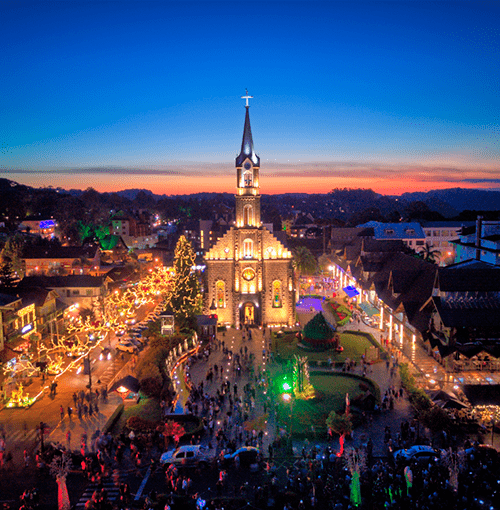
[[479, 242], [134, 228], [74, 290], [410, 233], [206, 326], [465, 316], [44, 228], [53, 260], [441, 236], [17, 320]]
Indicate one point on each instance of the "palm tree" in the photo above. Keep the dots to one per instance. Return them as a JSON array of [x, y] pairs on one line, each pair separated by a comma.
[[341, 424], [303, 262], [429, 253]]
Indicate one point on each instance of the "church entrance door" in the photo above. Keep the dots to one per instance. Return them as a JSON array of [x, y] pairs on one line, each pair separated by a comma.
[[249, 313]]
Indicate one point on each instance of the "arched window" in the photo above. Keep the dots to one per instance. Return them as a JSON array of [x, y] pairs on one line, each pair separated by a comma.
[[248, 215], [277, 294], [248, 179], [220, 288], [248, 248]]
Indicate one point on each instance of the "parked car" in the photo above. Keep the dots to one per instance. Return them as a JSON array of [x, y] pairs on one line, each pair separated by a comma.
[[120, 332], [420, 453], [135, 341], [247, 455], [186, 456], [126, 347], [484, 453]]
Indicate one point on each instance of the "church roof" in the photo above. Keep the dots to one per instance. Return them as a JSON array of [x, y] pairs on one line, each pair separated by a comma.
[[247, 150]]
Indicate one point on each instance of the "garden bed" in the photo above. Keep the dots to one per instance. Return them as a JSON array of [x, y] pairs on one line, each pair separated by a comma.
[[309, 416]]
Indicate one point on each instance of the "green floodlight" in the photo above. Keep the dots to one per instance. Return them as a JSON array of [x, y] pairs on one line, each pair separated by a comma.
[[286, 387]]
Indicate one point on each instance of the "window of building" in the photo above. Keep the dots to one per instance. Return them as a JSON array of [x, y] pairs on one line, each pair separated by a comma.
[[248, 179], [420, 243], [248, 215], [389, 231], [248, 248], [220, 288], [277, 294]]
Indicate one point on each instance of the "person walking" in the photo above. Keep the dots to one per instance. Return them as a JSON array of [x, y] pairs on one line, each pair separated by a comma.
[[61, 410]]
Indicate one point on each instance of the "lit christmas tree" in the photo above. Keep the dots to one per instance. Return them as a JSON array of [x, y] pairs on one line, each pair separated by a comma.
[[185, 295]]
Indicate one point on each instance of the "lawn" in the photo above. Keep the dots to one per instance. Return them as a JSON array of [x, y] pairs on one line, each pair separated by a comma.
[[147, 408], [354, 344], [332, 389]]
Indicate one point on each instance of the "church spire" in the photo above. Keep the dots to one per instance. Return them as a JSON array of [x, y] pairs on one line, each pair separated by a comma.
[[247, 150]]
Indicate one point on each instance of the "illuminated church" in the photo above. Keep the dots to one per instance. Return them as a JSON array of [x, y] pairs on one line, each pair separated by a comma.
[[249, 273]]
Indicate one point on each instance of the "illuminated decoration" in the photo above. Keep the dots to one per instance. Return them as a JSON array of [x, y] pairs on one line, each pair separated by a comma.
[[277, 301], [27, 328], [356, 461], [303, 389], [47, 224], [248, 274], [19, 399], [220, 293], [185, 298]]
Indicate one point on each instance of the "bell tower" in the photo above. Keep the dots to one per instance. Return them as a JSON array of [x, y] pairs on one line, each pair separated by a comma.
[[247, 178]]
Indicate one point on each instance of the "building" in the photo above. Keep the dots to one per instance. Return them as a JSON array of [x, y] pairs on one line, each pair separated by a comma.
[[40, 260], [17, 320], [134, 229], [410, 233], [82, 291], [465, 316], [43, 228], [249, 275], [479, 242], [440, 235]]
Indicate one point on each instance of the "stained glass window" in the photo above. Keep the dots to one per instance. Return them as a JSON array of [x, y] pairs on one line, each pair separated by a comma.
[[248, 274], [220, 291], [277, 301]]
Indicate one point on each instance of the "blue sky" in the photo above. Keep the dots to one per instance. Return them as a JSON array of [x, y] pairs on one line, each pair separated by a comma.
[[147, 94]]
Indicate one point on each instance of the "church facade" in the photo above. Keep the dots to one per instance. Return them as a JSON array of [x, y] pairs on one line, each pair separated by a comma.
[[249, 274]]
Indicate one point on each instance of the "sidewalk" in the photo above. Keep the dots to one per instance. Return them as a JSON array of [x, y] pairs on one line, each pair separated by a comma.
[[86, 425]]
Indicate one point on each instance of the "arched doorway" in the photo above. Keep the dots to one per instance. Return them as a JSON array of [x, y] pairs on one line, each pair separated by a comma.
[[248, 314]]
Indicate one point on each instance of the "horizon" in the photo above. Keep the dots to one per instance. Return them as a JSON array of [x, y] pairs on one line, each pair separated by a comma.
[[391, 96]]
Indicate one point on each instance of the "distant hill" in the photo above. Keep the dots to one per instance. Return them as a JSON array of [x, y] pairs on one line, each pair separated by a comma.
[[459, 199]]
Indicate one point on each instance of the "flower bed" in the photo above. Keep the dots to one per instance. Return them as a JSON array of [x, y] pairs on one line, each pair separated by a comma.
[[341, 313]]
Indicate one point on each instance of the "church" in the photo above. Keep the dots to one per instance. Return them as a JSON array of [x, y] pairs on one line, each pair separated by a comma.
[[249, 274]]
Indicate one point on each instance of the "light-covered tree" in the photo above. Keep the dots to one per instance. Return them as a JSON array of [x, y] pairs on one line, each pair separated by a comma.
[[186, 289]]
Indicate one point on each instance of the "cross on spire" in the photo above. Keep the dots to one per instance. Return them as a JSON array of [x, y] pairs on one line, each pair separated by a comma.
[[246, 97]]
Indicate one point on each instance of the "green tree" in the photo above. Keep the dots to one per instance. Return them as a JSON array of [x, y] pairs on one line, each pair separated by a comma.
[[341, 424], [7, 278], [303, 262], [429, 253], [13, 250], [184, 299]]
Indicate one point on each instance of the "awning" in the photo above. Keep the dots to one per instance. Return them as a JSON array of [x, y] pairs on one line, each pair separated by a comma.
[[369, 309], [351, 291]]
